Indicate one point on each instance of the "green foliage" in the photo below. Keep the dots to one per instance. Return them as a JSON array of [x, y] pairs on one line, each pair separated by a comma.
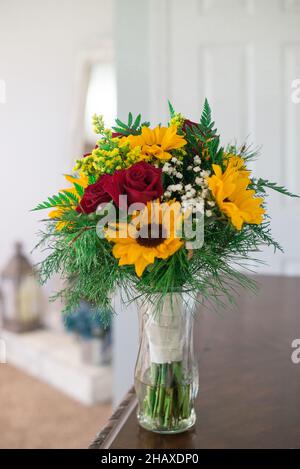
[[83, 260], [63, 199], [132, 127], [206, 128], [262, 184], [206, 120], [204, 134], [171, 109]]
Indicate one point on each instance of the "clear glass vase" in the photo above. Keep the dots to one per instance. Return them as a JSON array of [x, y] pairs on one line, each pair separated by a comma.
[[166, 374]]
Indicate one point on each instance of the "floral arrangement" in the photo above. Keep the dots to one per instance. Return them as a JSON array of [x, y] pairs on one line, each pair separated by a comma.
[[179, 169], [162, 212]]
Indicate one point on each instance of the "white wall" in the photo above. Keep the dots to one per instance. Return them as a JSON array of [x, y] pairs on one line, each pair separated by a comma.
[[40, 45], [132, 57]]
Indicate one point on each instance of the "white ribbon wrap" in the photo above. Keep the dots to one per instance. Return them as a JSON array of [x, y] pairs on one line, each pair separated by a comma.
[[165, 330]]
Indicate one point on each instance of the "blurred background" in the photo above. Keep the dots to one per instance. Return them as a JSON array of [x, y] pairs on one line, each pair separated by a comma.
[[60, 62]]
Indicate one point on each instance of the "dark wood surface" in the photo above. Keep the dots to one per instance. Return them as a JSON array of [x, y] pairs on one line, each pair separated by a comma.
[[249, 393]]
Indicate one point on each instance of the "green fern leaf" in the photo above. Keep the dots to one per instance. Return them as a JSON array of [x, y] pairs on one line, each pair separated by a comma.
[[261, 184], [130, 119], [72, 197], [121, 124], [206, 115], [79, 189], [171, 109], [137, 122]]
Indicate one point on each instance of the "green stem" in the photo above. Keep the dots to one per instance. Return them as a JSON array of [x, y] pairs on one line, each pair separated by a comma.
[[167, 398], [156, 390]]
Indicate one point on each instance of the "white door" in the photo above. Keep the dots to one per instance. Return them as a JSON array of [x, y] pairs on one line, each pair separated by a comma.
[[244, 56]]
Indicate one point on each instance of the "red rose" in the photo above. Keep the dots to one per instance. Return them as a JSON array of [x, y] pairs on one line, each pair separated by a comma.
[[141, 182], [93, 196]]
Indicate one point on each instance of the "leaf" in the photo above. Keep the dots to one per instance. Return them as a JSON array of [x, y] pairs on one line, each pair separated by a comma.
[[72, 197], [137, 122], [79, 189], [206, 115], [53, 202], [64, 198], [171, 109], [130, 119], [58, 199], [121, 131], [121, 124], [129, 128], [262, 183], [42, 206]]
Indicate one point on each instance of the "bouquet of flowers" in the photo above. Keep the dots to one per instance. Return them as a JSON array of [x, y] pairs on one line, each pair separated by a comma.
[[170, 215]]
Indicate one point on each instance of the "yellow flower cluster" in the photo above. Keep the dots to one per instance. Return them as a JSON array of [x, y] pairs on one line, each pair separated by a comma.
[[112, 154], [178, 120], [102, 161], [98, 124]]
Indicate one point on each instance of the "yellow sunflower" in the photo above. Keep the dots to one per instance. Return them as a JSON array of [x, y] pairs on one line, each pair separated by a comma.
[[152, 234], [60, 211], [157, 143], [230, 189]]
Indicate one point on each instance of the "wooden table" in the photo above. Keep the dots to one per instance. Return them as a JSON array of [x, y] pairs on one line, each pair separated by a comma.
[[249, 387]]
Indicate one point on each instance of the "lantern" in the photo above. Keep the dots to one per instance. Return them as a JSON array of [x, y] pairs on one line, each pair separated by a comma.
[[22, 300]]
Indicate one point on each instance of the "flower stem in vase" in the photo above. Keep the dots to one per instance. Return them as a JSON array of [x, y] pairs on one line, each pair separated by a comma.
[[167, 399]]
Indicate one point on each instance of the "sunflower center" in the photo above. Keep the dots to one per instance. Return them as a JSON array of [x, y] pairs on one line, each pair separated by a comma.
[[151, 235]]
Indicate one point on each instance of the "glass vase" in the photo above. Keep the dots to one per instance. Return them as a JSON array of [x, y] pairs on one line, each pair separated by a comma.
[[166, 374]]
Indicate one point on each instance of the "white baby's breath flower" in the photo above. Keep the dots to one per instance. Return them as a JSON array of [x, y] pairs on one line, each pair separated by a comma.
[[197, 169], [208, 213], [211, 203], [198, 181], [179, 175]]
